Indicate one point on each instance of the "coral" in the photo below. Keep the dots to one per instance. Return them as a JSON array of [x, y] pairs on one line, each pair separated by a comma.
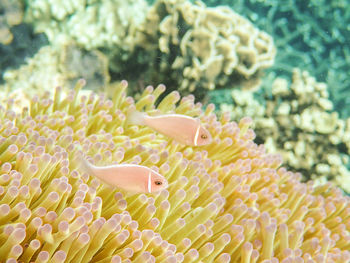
[[147, 40], [58, 65], [11, 14], [299, 123], [226, 202], [24, 45], [243, 104], [206, 47], [104, 28], [107, 24], [311, 35]]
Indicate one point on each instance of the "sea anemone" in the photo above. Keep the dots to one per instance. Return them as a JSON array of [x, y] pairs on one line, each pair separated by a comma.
[[229, 201]]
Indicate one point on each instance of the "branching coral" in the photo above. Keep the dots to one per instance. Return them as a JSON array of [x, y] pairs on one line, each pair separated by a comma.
[[24, 45], [60, 65], [207, 47], [299, 123], [92, 24], [226, 202], [11, 14]]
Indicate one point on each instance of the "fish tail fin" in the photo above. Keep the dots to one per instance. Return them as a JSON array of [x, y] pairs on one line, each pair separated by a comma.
[[135, 117], [83, 164]]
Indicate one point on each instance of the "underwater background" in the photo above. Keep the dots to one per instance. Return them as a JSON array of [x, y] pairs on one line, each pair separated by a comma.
[[269, 79]]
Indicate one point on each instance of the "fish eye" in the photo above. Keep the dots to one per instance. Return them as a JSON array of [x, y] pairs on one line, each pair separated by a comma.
[[203, 136], [158, 183]]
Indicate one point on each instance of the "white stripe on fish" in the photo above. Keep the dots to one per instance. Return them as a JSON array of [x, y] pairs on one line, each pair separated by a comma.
[[196, 136], [149, 186]]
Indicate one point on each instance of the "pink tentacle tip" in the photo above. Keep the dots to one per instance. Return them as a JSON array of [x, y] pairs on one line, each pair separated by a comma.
[[81, 82], [59, 256], [225, 257], [176, 95], [43, 256], [116, 259], [211, 107], [161, 87], [149, 89], [124, 83], [246, 120]]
